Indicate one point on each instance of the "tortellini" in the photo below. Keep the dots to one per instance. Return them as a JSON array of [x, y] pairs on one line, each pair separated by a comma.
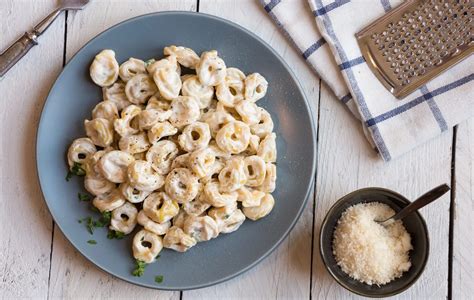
[[152, 226], [177, 240], [80, 150], [116, 94], [146, 246], [234, 175], [160, 208], [182, 185], [234, 137], [124, 218], [142, 177], [109, 202], [211, 69], [264, 126], [195, 136], [104, 69], [257, 212], [255, 87], [130, 68], [132, 194], [140, 88], [228, 218], [135, 143], [193, 87], [185, 56], [185, 110], [168, 82], [105, 110], [125, 125], [161, 155], [114, 164], [201, 228], [185, 157], [100, 131], [161, 130], [94, 182], [267, 148]]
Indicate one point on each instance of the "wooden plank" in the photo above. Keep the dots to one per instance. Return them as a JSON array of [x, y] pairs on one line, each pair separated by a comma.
[[346, 163], [286, 272], [25, 261], [71, 274], [463, 239]]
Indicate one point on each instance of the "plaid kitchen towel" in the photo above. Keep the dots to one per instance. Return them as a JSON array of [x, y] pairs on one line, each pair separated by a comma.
[[395, 126]]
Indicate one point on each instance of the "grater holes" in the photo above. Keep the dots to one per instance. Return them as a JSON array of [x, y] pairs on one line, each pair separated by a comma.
[[424, 37]]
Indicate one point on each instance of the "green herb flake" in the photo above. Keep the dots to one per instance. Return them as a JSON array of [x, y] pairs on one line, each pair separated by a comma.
[[92, 242], [104, 219], [90, 225], [115, 235], [83, 197], [139, 268], [159, 279], [75, 170], [226, 216], [158, 256], [149, 62]]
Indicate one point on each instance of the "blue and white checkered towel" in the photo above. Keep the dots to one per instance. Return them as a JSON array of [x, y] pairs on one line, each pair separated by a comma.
[[393, 126]]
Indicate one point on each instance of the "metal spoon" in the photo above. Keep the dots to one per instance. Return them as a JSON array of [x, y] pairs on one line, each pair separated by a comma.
[[19, 48], [422, 201]]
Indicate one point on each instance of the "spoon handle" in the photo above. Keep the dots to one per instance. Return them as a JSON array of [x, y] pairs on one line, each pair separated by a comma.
[[423, 200]]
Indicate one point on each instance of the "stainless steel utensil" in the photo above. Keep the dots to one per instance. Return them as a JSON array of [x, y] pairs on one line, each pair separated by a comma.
[[19, 48], [416, 41], [422, 201]]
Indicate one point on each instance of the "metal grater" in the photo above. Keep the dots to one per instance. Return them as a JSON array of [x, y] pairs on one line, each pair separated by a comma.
[[416, 41]]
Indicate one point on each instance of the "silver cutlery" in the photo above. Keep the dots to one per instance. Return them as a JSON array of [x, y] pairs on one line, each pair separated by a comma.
[[422, 201], [18, 49]]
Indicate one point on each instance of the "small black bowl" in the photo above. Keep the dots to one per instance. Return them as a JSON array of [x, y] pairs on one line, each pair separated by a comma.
[[414, 224]]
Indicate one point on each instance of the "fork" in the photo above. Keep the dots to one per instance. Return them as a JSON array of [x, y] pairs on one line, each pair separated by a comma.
[[18, 49]]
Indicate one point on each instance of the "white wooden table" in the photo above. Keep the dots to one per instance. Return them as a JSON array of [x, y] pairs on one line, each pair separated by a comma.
[[36, 260]]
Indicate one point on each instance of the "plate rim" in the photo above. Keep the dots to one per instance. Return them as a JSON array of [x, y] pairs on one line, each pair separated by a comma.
[[313, 142]]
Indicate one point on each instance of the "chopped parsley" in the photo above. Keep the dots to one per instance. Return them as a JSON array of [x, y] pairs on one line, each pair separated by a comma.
[[83, 197], [139, 268], [149, 62], [92, 242], [104, 219], [91, 224], [75, 170], [113, 234], [159, 279]]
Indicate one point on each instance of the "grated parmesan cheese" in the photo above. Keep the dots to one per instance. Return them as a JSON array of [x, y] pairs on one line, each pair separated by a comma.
[[368, 251]]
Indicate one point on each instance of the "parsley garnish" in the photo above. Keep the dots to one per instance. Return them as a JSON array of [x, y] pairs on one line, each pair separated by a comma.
[[104, 220], [75, 170], [83, 197], [115, 235], [159, 279], [226, 216], [149, 62], [101, 222], [139, 268], [89, 224], [92, 242]]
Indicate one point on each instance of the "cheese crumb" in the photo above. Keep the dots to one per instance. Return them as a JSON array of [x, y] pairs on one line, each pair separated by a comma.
[[368, 251]]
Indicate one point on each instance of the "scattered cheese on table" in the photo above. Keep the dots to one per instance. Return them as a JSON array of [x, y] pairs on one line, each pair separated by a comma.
[[368, 251]]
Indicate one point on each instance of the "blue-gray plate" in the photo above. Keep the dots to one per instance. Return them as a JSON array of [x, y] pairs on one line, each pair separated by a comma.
[[73, 97]]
